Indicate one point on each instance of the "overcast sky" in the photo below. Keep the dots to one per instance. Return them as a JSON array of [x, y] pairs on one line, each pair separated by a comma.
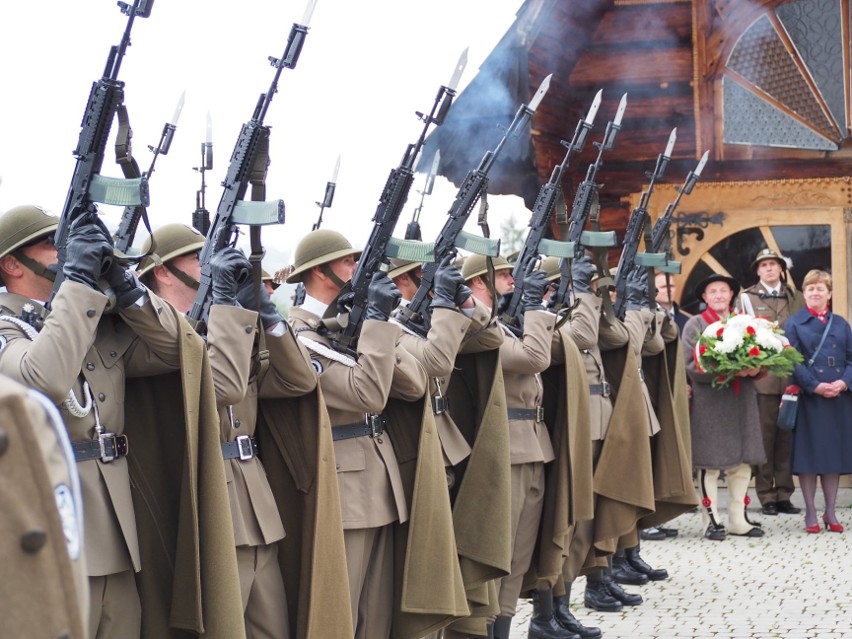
[[366, 67]]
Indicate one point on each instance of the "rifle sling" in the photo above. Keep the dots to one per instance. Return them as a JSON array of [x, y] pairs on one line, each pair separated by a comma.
[[257, 179], [130, 168]]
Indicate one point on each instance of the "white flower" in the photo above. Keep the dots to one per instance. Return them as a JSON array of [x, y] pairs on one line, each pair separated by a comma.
[[768, 340], [712, 329]]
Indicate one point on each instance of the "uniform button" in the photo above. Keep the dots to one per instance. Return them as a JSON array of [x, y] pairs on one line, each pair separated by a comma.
[[4, 441], [101, 396], [113, 354], [33, 540], [90, 366], [249, 329], [91, 312], [236, 423]]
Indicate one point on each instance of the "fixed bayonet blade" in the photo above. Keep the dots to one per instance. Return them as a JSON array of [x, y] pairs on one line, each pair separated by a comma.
[[593, 110], [430, 179], [622, 107], [701, 163], [670, 146], [336, 169], [539, 95], [460, 65], [309, 11]]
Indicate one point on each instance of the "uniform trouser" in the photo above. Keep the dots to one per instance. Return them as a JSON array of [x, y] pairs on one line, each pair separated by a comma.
[[582, 535], [262, 591], [527, 504], [369, 562], [772, 480], [115, 611]]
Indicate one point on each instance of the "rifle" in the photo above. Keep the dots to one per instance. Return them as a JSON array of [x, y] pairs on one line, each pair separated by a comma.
[[540, 219], [248, 163], [469, 193], [387, 214], [630, 256], [88, 187], [412, 231], [586, 196], [328, 198], [131, 216], [201, 216]]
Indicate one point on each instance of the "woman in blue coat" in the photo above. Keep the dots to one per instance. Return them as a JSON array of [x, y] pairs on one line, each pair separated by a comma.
[[822, 441]]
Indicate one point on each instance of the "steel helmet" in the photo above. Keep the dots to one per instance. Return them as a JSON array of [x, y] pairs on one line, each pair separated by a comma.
[[169, 241], [316, 248], [475, 265], [24, 224]]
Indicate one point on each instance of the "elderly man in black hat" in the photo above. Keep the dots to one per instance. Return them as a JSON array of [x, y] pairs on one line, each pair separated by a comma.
[[773, 298], [725, 422]]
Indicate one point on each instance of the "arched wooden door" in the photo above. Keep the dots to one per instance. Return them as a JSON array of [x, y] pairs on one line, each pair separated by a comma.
[[720, 227]]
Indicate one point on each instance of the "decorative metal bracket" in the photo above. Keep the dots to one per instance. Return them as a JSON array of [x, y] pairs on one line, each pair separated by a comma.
[[694, 224]]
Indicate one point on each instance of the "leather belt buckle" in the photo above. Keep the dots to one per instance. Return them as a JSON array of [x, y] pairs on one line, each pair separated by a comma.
[[605, 389], [539, 414], [375, 424], [245, 447], [440, 405], [108, 443]]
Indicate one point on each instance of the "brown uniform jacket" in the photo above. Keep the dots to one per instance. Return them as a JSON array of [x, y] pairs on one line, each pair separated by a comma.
[[43, 584], [775, 309], [78, 343], [644, 327]]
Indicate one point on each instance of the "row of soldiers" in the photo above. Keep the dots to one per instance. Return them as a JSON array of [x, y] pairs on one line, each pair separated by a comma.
[[417, 488]]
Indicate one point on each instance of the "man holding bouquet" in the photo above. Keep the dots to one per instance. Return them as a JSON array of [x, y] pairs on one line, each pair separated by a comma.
[[725, 420]]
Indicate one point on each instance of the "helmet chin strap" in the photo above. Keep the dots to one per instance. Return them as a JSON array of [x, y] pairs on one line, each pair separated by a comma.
[[47, 272], [182, 276], [326, 270]]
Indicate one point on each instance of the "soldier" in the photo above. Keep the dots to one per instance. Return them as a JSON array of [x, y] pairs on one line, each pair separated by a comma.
[[43, 580], [79, 359], [523, 359], [269, 282], [173, 272], [773, 298], [357, 392]]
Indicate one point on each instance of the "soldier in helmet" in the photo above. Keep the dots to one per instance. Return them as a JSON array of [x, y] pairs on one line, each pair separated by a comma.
[[172, 271], [356, 392], [79, 358], [772, 297], [523, 359], [43, 572]]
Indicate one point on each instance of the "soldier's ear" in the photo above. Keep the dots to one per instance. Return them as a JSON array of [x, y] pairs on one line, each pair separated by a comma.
[[10, 266]]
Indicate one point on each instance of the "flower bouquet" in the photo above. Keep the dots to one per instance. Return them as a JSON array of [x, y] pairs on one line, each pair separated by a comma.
[[743, 342]]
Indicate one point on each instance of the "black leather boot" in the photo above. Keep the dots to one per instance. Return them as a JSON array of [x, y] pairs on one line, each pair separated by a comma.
[[543, 624], [624, 573], [502, 626], [565, 618], [640, 565], [627, 598], [598, 597]]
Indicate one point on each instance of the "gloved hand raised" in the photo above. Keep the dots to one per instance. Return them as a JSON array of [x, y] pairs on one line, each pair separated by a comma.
[[535, 286], [582, 270], [382, 297], [88, 251], [447, 284], [124, 284], [269, 315], [228, 269], [637, 289]]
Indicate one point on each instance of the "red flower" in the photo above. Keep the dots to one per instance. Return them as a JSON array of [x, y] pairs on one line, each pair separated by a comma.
[[720, 332], [721, 378], [702, 349], [750, 330], [754, 351]]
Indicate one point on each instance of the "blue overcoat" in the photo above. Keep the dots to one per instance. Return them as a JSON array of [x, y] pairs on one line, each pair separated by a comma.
[[822, 441]]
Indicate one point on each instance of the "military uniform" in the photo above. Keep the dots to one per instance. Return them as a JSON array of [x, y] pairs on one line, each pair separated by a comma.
[[371, 488], [79, 344], [43, 581], [773, 480]]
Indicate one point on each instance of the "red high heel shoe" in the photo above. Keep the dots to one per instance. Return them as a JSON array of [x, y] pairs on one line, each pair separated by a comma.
[[813, 529], [838, 528]]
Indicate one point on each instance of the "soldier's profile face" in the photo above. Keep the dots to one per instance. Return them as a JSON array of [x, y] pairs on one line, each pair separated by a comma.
[[343, 267], [503, 281], [43, 251], [189, 264]]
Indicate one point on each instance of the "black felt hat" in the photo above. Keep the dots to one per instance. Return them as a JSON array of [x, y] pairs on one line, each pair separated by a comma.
[[716, 277]]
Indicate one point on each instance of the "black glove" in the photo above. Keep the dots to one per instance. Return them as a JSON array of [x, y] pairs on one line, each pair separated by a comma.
[[448, 280], [125, 285], [535, 286], [265, 307], [637, 289], [228, 269], [382, 297], [582, 270], [88, 251], [463, 294]]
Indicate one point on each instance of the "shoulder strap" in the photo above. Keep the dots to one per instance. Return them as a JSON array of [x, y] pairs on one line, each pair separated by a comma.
[[821, 341]]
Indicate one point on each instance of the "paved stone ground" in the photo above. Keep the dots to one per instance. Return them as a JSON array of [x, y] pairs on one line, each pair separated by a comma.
[[786, 584]]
